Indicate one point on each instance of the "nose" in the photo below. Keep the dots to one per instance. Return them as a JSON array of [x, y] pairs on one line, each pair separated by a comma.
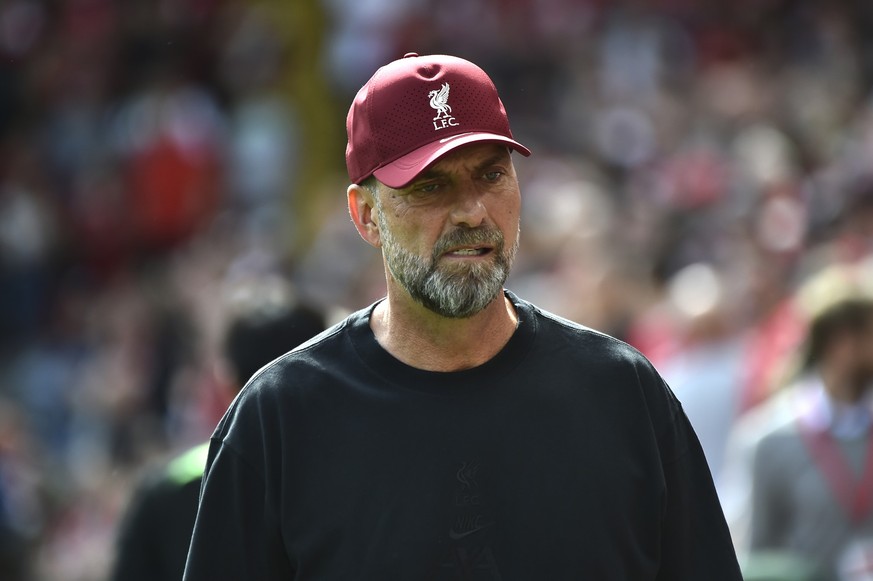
[[468, 209]]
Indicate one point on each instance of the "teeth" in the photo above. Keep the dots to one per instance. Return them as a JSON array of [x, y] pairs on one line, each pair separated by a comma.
[[468, 252]]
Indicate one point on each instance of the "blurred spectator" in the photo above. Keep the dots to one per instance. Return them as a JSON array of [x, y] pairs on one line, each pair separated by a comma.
[[812, 446], [22, 517], [29, 243], [264, 321], [264, 131], [705, 369]]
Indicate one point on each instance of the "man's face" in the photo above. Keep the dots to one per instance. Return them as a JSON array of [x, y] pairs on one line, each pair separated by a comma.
[[450, 238]]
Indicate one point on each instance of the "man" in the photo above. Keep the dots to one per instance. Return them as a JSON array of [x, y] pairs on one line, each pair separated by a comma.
[[265, 322], [812, 473], [453, 430]]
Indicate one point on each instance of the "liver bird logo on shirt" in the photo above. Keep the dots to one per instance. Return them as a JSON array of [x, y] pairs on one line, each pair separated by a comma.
[[439, 101]]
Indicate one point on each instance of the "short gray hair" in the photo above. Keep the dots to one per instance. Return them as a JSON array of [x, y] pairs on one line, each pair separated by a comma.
[[372, 184]]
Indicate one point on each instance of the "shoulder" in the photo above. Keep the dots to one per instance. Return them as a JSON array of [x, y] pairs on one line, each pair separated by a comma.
[[581, 339], [780, 439], [779, 444], [322, 347], [780, 456], [163, 490], [309, 363], [773, 420], [593, 356], [188, 466], [290, 378]]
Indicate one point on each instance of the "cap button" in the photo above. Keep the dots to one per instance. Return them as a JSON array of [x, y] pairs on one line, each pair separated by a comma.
[[410, 54]]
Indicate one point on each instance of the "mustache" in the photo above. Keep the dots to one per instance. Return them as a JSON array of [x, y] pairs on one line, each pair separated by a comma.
[[483, 235]]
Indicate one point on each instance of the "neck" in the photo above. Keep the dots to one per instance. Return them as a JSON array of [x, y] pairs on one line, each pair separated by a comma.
[[421, 338]]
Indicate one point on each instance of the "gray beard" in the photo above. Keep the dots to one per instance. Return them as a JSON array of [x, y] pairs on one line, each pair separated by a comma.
[[455, 293]]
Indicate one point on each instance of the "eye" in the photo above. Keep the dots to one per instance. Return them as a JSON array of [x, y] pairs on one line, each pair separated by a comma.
[[427, 188], [493, 175]]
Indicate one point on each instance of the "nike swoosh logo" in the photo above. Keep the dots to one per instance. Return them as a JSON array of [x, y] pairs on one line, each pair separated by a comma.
[[450, 138], [455, 535]]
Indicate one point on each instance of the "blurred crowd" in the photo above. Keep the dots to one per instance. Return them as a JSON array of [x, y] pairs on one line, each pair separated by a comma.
[[695, 163]]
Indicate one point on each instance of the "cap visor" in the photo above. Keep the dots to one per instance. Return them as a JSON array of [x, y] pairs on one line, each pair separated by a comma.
[[400, 172]]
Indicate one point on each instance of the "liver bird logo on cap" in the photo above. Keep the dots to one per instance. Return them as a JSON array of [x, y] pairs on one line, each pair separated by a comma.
[[439, 101]]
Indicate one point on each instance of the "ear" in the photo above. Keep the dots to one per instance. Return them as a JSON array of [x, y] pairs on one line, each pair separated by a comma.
[[361, 210]]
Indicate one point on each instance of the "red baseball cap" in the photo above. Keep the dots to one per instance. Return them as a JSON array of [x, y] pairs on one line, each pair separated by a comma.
[[416, 109]]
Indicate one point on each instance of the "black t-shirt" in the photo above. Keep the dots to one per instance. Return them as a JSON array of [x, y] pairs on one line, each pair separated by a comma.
[[563, 457]]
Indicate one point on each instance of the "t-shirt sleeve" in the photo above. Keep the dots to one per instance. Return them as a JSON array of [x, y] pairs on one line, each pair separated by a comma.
[[696, 543], [236, 534], [695, 540]]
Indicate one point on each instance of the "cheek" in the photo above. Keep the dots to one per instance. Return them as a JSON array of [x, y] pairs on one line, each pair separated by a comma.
[[512, 203], [511, 217], [404, 236]]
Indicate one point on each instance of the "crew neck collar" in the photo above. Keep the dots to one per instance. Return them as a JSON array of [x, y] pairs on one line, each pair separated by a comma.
[[388, 367]]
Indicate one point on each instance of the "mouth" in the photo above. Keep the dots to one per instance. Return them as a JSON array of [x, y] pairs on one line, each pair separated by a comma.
[[469, 245], [468, 252]]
